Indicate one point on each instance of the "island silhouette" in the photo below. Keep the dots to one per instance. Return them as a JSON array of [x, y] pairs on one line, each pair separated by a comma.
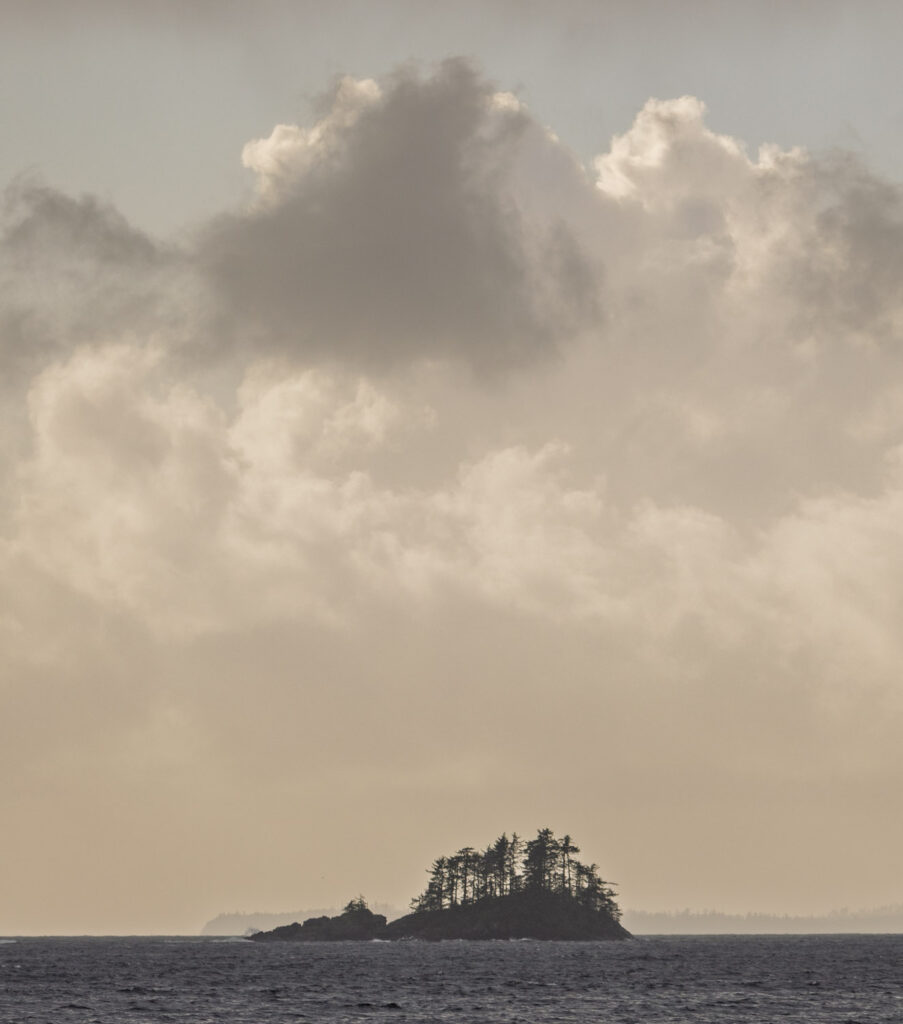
[[511, 890]]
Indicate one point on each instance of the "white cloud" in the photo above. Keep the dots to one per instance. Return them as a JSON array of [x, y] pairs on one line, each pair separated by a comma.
[[282, 159], [669, 155]]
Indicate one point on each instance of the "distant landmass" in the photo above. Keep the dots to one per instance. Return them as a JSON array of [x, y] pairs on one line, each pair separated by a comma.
[[510, 890], [878, 920]]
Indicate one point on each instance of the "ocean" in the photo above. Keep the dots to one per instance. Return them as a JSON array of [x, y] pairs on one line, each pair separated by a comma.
[[820, 979]]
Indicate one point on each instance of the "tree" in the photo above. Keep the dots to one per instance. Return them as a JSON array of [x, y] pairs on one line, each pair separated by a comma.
[[434, 896], [507, 866], [512, 863], [540, 860], [466, 858], [567, 848]]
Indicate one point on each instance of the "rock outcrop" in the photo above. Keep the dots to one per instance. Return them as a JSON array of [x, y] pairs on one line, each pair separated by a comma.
[[521, 915], [356, 921]]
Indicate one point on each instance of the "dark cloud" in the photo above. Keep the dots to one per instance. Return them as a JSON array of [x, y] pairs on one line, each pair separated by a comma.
[[394, 236], [39, 217], [852, 270], [73, 270]]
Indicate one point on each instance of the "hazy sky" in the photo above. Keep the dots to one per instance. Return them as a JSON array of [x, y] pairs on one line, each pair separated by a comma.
[[424, 420]]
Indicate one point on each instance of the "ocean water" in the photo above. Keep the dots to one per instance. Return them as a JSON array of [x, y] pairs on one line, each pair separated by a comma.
[[839, 979]]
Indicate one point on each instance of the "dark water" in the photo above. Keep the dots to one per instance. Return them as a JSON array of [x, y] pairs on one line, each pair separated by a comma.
[[836, 979]]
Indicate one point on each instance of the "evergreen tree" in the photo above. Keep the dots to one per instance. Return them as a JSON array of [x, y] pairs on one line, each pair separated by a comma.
[[512, 863], [355, 906], [466, 858], [567, 849], [540, 860], [506, 866]]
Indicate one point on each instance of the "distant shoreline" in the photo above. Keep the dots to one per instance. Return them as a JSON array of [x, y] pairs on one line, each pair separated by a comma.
[[879, 921]]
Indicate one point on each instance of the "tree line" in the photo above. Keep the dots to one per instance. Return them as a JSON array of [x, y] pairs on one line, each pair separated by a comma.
[[543, 864]]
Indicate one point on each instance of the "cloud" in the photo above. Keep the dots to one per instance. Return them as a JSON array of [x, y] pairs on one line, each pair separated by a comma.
[[145, 498], [120, 479], [388, 232], [714, 408], [820, 236], [74, 270], [667, 556]]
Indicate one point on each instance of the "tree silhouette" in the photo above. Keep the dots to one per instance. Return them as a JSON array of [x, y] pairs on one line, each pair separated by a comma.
[[506, 866], [567, 849], [355, 906]]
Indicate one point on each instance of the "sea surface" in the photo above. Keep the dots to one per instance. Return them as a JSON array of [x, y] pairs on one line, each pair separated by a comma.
[[825, 978]]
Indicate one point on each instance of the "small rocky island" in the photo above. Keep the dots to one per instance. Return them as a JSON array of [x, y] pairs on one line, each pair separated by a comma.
[[510, 890], [357, 921]]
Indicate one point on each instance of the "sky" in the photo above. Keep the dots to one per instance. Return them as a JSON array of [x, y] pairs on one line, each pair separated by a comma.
[[424, 421]]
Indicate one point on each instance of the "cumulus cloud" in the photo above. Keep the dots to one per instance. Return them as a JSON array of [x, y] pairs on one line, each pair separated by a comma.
[[819, 236], [145, 498], [680, 534], [388, 231]]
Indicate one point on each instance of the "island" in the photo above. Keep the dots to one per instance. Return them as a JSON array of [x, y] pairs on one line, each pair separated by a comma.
[[357, 921], [511, 890]]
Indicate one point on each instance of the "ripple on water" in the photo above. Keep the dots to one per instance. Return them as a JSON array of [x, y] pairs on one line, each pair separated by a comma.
[[723, 980]]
